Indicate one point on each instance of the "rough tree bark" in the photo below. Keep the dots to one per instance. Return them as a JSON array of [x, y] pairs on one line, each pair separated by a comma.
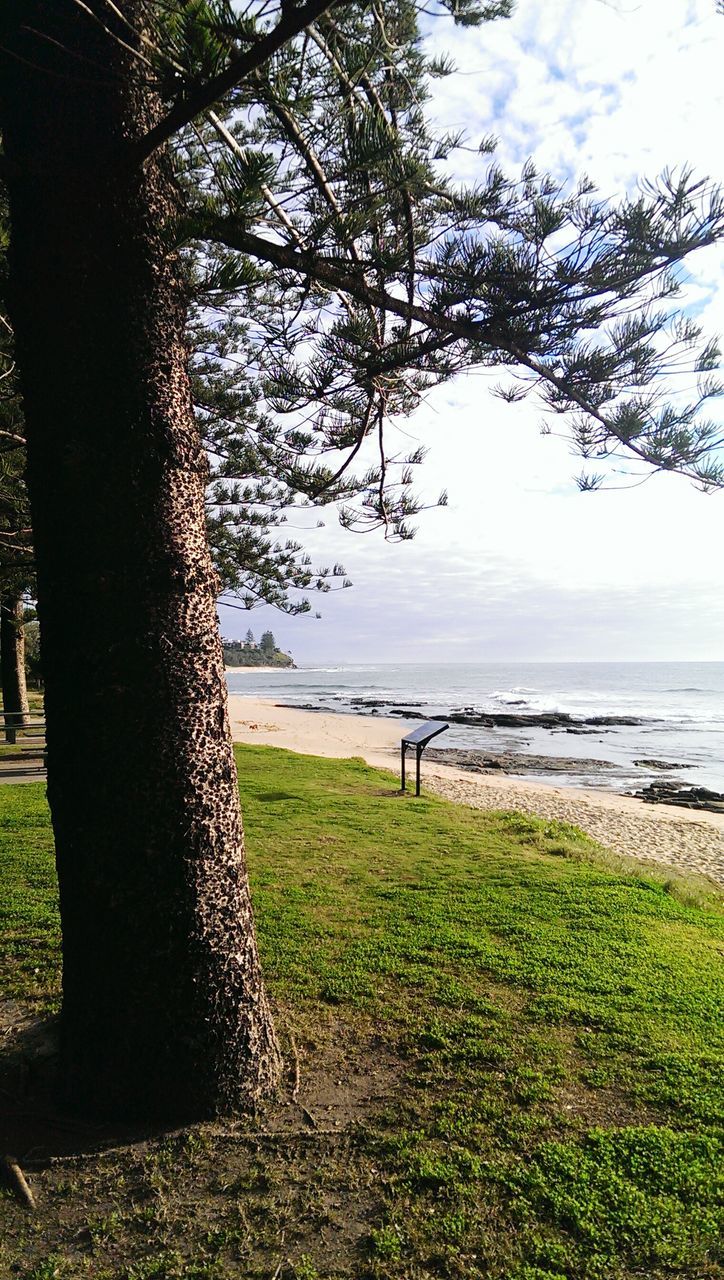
[[164, 1010], [12, 660]]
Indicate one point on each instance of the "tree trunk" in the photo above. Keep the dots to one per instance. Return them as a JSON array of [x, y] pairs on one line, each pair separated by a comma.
[[12, 663], [164, 1011]]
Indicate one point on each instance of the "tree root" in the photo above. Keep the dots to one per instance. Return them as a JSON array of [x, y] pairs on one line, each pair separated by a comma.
[[18, 1182]]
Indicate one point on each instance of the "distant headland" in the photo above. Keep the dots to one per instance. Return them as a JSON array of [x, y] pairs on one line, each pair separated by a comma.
[[247, 653]]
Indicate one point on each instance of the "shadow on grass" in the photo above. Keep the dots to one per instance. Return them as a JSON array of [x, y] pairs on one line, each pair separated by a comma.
[[34, 1127]]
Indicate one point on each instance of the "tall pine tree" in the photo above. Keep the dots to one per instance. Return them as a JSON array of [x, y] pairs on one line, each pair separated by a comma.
[[283, 157], [16, 556]]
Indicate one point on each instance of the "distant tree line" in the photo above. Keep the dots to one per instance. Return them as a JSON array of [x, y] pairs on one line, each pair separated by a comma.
[[247, 653]]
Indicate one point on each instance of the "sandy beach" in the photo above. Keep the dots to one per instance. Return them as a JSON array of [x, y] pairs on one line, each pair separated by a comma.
[[691, 842]]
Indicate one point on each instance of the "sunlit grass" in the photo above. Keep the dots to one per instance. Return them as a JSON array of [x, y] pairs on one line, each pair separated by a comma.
[[554, 1025]]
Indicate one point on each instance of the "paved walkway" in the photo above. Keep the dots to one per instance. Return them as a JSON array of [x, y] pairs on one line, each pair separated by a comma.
[[26, 766]]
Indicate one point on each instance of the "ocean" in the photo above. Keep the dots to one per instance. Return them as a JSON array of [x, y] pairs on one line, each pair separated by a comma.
[[679, 706]]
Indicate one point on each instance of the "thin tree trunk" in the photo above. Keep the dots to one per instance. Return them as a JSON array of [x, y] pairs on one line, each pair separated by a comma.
[[164, 1010], [12, 663]]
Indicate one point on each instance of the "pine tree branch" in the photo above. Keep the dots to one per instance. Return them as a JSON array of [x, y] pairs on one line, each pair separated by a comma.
[[200, 98], [314, 166], [268, 195], [370, 93], [588, 407], [375, 102], [361, 437], [13, 437], [336, 275]]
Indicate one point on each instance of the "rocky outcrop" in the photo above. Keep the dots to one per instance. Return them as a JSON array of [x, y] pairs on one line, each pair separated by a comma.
[[515, 762], [660, 764], [377, 703], [518, 720], [683, 797], [486, 719]]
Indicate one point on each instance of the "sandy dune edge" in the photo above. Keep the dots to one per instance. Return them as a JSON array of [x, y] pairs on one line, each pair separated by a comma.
[[677, 837]]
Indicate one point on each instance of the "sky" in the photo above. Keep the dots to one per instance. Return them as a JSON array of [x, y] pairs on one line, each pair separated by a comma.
[[521, 565]]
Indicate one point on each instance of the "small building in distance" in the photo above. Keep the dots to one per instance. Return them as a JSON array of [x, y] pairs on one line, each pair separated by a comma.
[[247, 653]]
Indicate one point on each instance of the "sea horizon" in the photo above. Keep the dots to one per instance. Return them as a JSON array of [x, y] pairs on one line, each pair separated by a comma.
[[312, 664]]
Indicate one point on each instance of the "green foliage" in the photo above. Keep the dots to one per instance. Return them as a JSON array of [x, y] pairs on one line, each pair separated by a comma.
[[257, 657], [268, 644], [336, 271], [383, 277], [33, 664]]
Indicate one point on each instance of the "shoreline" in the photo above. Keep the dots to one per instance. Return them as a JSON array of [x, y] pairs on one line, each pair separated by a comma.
[[690, 840]]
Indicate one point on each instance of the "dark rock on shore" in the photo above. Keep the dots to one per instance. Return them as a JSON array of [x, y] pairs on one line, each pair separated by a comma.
[[683, 797], [530, 720], [660, 764], [380, 702], [515, 762], [488, 719]]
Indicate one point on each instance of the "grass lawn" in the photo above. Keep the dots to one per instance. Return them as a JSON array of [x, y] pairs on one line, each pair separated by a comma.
[[508, 1050]]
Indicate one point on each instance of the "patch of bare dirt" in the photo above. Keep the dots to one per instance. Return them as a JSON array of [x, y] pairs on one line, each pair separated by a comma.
[[251, 1196]]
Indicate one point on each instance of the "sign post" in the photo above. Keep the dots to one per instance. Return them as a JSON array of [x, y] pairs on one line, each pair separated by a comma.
[[418, 738]]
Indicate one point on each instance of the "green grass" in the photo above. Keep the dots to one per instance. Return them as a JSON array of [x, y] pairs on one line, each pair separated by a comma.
[[547, 1030], [29, 925]]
